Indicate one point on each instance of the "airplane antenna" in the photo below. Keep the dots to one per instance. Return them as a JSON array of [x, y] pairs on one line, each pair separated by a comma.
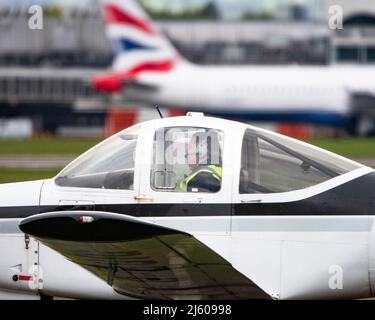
[[160, 114]]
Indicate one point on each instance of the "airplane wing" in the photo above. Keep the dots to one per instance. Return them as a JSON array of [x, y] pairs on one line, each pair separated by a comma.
[[141, 259]]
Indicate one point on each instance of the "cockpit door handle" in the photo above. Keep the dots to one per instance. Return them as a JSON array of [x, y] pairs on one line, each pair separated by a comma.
[[142, 197], [251, 201]]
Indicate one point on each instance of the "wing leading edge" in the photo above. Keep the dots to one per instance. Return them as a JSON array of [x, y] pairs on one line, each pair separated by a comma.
[[141, 259]]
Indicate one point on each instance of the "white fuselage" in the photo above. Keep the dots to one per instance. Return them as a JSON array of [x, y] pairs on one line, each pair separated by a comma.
[[254, 89], [289, 257]]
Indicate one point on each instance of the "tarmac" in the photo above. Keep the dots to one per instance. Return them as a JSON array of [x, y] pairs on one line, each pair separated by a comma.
[[35, 162]]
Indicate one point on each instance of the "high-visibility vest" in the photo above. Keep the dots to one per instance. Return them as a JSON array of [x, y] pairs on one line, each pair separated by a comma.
[[215, 171]]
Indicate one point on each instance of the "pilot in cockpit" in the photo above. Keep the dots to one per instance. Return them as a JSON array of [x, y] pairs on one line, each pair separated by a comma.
[[204, 160]]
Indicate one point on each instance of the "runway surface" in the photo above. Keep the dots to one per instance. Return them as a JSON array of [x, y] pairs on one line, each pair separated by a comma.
[[35, 162]]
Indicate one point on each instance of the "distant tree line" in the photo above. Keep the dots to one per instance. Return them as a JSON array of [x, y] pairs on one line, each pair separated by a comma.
[[208, 11], [249, 15]]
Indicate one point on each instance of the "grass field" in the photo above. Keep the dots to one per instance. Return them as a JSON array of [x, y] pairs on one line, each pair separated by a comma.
[[43, 146], [16, 175], [359, 147], [352, 148]]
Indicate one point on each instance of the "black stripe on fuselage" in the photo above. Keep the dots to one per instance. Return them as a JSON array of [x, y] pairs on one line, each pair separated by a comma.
[[356, 197]]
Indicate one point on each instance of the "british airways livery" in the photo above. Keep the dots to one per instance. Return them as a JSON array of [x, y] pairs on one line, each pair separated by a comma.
[[147, 69]]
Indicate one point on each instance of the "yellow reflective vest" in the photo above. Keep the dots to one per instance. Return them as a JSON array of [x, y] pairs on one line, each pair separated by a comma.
[[215, 171]]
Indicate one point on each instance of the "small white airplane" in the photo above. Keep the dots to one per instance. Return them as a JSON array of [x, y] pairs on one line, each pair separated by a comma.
[[149, 70], [192, 207]]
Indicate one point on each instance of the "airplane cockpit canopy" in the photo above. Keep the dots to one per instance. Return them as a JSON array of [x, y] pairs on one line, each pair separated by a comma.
[[264, 162], [272, 163], [110, 165]]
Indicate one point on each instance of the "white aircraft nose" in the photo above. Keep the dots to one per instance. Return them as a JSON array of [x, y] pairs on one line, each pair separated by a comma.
[[20, 199]]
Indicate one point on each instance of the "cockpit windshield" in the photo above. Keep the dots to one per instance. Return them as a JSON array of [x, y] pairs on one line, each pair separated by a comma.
[[108, 166]]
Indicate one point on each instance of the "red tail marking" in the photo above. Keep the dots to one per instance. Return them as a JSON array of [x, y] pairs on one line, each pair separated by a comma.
[[107, 83], [113, 82], [162, 66], [113, 14]]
